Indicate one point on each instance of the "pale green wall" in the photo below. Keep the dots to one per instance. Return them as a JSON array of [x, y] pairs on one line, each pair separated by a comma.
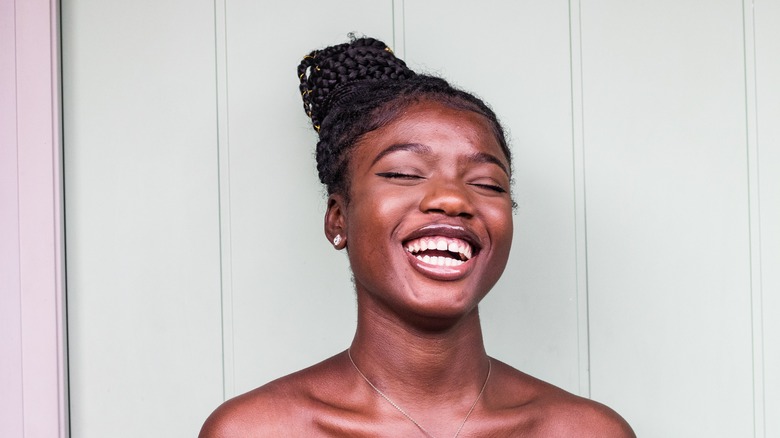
[[646, 239]]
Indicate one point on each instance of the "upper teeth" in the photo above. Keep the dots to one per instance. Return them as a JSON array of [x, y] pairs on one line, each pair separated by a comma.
[[442, 244]]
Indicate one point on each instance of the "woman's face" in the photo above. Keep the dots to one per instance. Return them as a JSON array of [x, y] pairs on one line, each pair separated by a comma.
[[429, 221]]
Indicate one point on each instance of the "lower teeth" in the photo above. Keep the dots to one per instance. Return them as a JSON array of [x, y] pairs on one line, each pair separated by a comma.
[[440, 261]]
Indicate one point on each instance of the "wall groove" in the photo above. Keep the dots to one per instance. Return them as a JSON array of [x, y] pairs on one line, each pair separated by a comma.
[[225, 229], [580, 225], [399, 29], [754, 210]]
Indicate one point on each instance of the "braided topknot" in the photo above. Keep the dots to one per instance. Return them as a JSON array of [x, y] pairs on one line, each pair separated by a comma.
[[351, 89], [324, 73]]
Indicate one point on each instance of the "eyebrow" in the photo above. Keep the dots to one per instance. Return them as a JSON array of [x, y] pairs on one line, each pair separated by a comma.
[[416, 148], [484, 157], [421, 149]]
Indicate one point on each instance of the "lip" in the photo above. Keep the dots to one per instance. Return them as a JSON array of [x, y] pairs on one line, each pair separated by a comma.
[[455, 231]]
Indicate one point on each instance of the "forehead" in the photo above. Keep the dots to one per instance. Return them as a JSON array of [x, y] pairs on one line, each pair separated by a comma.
[[438, 126]]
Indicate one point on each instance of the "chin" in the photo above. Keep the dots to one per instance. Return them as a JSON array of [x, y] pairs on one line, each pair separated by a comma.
[[444, 312]]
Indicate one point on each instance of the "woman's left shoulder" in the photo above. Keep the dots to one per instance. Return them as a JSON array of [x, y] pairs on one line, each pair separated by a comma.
[[574, 416], [551, 411]]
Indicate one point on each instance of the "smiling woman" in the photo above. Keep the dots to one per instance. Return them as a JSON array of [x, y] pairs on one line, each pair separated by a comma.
[[438, 194], [418, 175]]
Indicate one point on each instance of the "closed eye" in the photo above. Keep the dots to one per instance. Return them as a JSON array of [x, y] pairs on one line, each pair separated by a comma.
[[497, 189], [396, 175]]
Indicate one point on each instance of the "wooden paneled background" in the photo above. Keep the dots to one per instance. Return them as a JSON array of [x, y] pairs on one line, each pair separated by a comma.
[[645, 270]]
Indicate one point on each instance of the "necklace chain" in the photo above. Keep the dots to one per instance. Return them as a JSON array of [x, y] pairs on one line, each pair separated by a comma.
[[419, 426]]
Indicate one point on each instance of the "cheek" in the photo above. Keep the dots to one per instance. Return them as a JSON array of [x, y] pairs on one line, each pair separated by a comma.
[[502, 227], [370, 239], [377, 208], [371, 220]]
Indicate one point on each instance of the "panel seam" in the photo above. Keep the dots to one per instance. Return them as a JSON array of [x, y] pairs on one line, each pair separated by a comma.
[[580, 210], [754, 218], [223, 199], [399, 28]]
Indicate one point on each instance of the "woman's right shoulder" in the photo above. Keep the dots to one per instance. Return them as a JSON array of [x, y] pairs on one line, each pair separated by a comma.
[[275, 408], [261, 412]]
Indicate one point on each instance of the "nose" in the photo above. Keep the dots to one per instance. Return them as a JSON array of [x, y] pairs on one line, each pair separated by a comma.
[[449, 198]]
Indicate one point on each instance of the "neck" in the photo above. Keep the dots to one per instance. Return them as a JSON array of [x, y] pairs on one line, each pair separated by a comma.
[[416, 363]]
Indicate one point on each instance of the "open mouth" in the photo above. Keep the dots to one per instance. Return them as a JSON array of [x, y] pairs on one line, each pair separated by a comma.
[[440, 251]]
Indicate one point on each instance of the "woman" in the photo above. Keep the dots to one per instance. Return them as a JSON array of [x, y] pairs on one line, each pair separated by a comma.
[[418, 177]]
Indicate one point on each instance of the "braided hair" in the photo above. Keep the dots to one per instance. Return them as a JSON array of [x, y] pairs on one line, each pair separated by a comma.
[[354, 88]]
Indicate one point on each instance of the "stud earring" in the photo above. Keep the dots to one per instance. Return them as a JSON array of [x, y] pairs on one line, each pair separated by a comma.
[[337, 240]]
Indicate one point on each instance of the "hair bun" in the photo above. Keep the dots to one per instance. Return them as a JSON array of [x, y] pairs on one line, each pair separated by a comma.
[[326, 75]]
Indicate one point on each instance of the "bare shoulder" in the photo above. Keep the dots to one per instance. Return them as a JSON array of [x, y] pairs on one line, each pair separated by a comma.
[[543, 409], [277, 409], [260, 412], [574, 416]]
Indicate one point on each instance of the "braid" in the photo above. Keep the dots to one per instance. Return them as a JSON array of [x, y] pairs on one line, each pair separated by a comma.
[[324, 73], [354, 88]]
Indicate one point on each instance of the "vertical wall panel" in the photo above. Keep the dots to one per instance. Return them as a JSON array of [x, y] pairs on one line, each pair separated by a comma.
[[141, 216], [33, 401], [767, 41], [292, 300], [516, 56], [667, 211]]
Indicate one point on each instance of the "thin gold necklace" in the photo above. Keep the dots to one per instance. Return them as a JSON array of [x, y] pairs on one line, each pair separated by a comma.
[[422, 429]]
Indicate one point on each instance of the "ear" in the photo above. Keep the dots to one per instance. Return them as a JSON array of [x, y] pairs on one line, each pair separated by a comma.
[[336, 221]]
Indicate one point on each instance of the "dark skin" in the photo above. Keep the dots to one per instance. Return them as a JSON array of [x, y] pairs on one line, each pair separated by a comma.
[[434, 174]]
